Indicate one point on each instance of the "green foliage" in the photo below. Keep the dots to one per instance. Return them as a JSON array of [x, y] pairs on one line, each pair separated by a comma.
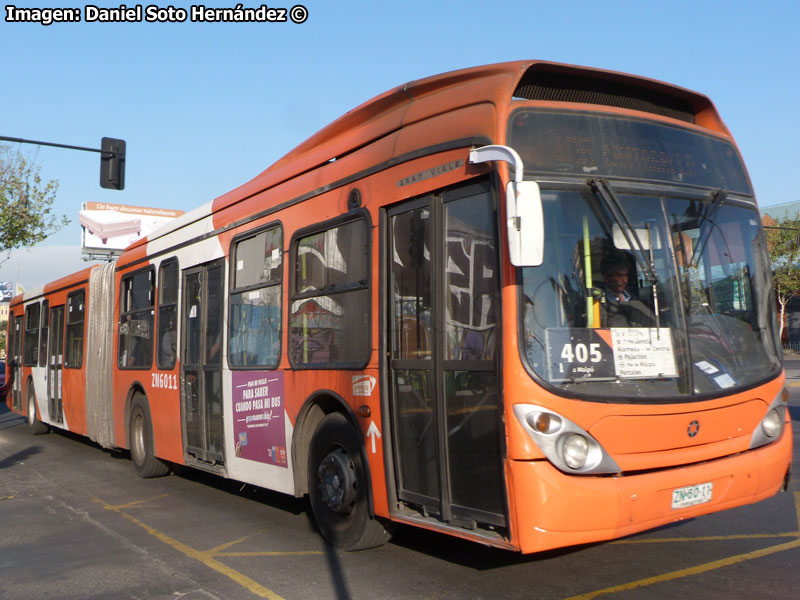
[[26, 203], [784, 252], [784, 256]]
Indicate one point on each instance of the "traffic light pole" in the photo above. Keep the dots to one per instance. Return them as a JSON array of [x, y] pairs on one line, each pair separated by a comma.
[[112, 158]]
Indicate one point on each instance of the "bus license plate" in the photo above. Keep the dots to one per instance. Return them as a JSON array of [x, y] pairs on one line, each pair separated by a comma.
[[691, 495]]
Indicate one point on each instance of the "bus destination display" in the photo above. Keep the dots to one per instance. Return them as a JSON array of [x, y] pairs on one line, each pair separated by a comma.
[[618, 352]]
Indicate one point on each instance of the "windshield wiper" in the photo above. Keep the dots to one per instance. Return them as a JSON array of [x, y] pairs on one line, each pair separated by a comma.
[[716, 201], [603, 191]]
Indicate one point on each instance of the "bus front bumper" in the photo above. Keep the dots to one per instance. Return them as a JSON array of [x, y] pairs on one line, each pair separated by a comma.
[[554, 509]]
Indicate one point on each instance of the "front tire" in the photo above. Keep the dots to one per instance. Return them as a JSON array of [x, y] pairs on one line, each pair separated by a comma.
[[35, 426], [140, 438], [337, 487]]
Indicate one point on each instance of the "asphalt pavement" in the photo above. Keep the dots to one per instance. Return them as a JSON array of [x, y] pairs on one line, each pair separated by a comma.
[[76, 523]]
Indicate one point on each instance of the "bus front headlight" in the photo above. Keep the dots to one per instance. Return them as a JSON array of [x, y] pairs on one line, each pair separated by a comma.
[[772, 423], [771, 426], [569, 447], [575, 451]]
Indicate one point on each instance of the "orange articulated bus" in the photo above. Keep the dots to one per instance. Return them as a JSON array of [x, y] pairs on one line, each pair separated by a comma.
[[526, 304]]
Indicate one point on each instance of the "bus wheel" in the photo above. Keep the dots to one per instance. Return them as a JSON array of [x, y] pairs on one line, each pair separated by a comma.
[[34, 424], [337, 487], [140, 438]]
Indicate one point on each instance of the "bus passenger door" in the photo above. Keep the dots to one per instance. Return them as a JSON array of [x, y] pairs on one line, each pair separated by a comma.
[[16, 356], [201, 362], [443, 357], [55, 364]]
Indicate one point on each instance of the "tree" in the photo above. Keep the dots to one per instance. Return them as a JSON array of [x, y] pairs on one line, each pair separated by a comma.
[[784, 256], [26, 203]]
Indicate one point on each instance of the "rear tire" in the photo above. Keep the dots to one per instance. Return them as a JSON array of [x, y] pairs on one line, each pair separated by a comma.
[[140, 438], [34, 424], [337, 487]]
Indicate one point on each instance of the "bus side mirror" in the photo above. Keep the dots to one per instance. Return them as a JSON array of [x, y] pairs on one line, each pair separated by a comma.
[[525, 224]]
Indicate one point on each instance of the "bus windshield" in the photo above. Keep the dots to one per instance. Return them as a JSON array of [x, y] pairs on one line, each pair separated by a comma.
[[679, 310]]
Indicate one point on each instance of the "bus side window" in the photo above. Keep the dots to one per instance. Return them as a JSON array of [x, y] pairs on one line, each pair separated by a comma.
[[30, 352], [255, 315], [137, 299], [76, 310], [330, 297], [167, 315], [44, 336]]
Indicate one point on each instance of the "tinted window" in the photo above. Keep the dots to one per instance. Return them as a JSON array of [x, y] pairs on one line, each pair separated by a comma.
[[329, 322], [136, 320], [255, 316], [30, 352], [45, 332], [167, 315], [76, 312]]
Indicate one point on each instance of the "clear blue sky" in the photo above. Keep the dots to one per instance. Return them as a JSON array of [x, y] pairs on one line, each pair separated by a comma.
[[205, 107]]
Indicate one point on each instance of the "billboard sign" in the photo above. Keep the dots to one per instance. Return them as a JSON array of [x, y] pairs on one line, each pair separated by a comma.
[[114, 227], [6, 291]]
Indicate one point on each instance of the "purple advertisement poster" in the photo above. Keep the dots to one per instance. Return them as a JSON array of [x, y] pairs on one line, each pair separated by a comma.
[[258, 419]]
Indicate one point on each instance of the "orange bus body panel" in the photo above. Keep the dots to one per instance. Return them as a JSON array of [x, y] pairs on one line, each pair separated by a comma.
[[577, 510]]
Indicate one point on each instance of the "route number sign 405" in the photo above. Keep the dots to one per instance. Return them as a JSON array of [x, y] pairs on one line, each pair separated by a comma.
[[581, 353]]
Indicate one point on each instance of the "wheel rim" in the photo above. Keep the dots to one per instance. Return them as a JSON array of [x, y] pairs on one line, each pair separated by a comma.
[[31, 410], [336, 478], [137, 437]]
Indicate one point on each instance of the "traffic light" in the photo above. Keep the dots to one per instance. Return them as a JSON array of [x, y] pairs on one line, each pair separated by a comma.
[[112, 164]]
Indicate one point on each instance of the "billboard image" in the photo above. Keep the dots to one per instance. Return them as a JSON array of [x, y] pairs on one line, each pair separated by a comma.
[[106, 226], [9, 289], [6, 291]]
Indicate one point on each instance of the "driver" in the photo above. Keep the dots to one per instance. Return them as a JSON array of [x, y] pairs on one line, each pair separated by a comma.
[[618, 308]]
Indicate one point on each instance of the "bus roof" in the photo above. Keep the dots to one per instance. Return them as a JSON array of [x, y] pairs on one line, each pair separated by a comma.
[[426, 98], [67, 281]]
